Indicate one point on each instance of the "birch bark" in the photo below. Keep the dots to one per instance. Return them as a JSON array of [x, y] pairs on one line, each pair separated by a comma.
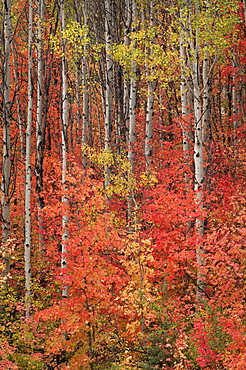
[[150, 100], [82, 115], [27, 244], [85, 113], [109, 73], [40, 129], [126, 87], [201, 106], [235, 100], [133, 95], [185, 91], [6, 165], [19, 115], [198, 158], [132, 115], [64, 147]]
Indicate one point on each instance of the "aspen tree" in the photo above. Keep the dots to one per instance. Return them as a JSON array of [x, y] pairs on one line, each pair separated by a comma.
[[85, 113], [40, 122], [132, 112], [206, 97], [185, 91], [198, 151], [18, 104], [150, 99], [28, 164], [126, 87], [207, 70], [64, 145], [119, 108], [82, 114], [200, 104], [6, 165], [108, 74], [235, 99], [133, 95]]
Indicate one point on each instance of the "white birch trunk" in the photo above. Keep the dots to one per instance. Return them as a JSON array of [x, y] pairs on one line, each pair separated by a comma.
[[184, 91], [64, 148], [235, 102], [199, 177], [206, 97], [128, 22], [206, 102], [109, 73], [132, 115], [40, 123], [6, 165], [27, 245], [18, 107], [85, 113], [133, 98], [206, 116], [198, 150], [186, 104], [150, 101]]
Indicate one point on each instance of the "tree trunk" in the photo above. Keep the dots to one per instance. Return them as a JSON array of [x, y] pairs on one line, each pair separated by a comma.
[[6, 165], [19, 114], [28, 166], [64, 147], [85, 113], [133, 96], [201, 115], [198, 162], [150, 99], [235, 101], [127, 30], [108, 73], [185, 92], [132, 116], [40, 123]]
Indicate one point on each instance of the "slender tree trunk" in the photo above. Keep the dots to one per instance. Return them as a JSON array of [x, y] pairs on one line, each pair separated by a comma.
[[244, 5], [199, 135], [28, 165], [186, 105], [85, 114], [108, 74], [235, 100], [150, 99], [119, 108], [127, 23], [185, 92], [133, 96], [82, 81], [206, 118], [132, 115], [18, 107], [199, 169], [6, 165], [64, 148], [206, 97], [40, 123]]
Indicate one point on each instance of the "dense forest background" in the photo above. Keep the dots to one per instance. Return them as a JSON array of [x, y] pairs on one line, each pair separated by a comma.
[[123, 184]]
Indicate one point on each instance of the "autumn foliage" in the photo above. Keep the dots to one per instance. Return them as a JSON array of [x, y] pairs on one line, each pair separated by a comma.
[[132, 264]]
